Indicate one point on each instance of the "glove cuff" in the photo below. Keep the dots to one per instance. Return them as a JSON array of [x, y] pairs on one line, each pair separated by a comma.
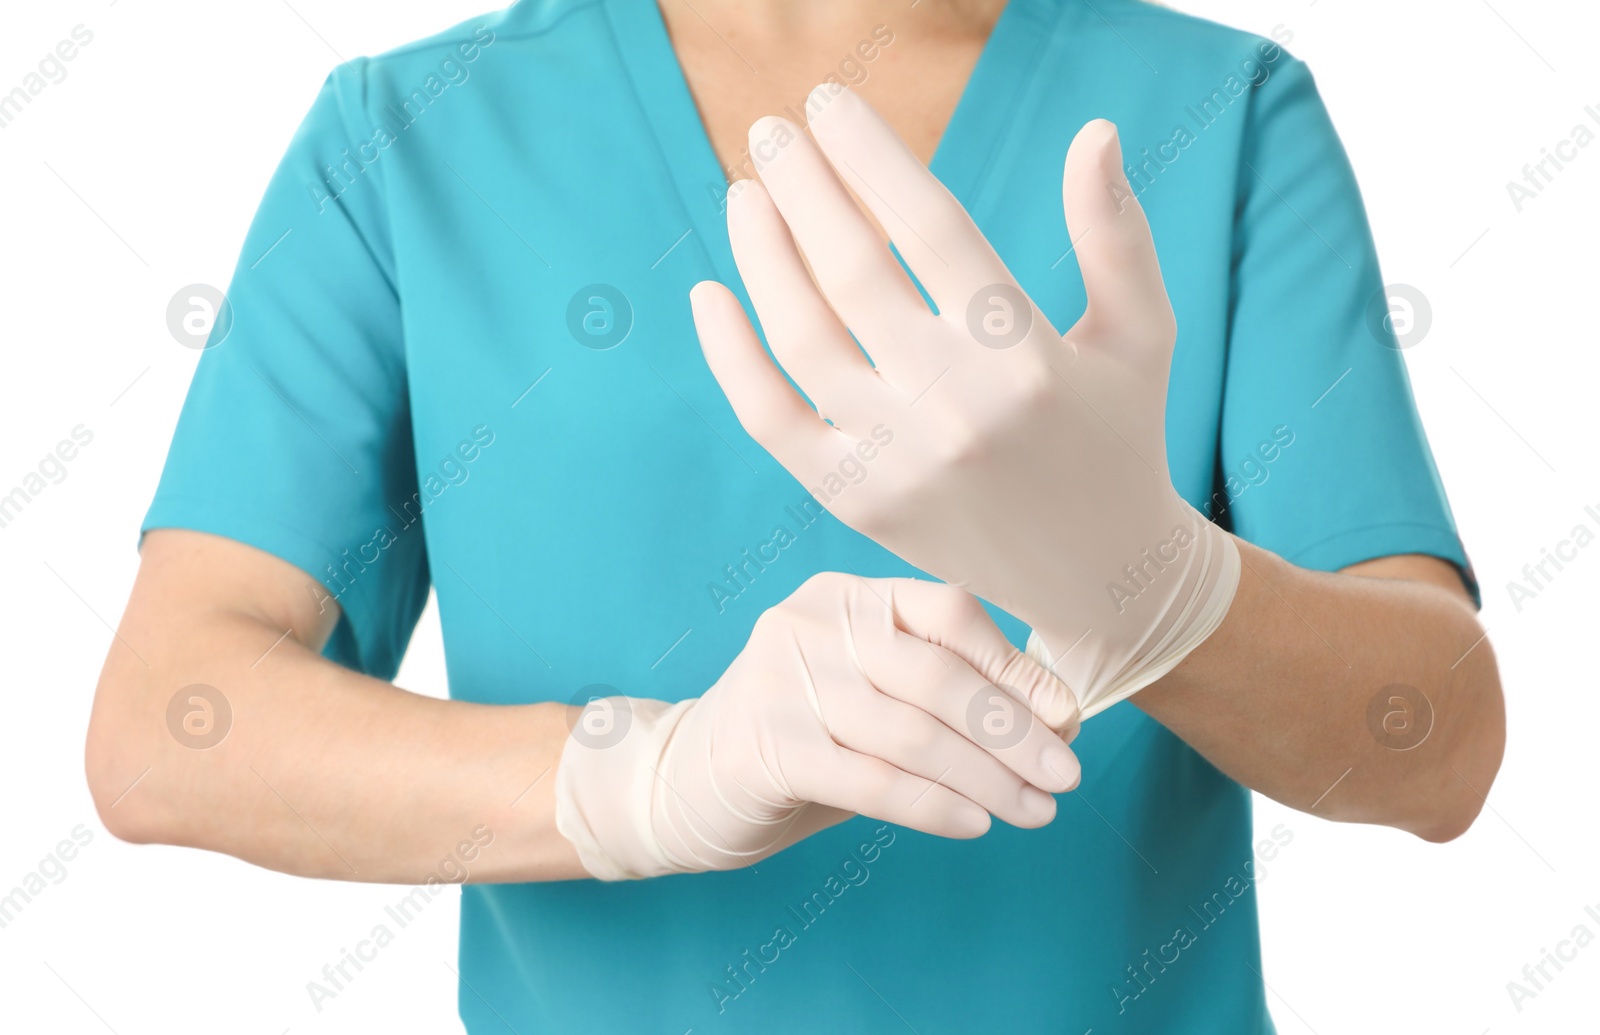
[[1197, 607], [605, 784]]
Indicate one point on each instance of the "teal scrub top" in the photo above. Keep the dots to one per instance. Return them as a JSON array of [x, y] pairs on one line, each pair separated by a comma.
[[460, 355]]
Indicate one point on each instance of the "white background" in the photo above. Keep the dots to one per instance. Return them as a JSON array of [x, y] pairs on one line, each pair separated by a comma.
[[137, 175]]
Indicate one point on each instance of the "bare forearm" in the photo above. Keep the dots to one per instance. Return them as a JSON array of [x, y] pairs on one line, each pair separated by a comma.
[[322, 771], [1359, 699]]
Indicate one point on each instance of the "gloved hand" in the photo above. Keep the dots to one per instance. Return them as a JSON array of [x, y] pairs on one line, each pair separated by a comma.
[[1026, 468], [891, 698]]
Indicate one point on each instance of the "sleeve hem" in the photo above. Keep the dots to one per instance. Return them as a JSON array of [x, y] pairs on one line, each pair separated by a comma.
[[1371, 542], [287, 543]]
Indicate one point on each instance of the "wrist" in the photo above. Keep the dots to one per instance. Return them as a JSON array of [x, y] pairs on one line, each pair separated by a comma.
[[1160, 611], [606, 782]]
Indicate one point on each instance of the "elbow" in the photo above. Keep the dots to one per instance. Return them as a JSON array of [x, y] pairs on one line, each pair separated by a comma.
[[117, 781], [105, 772], [1473, 739], [1448, 826], [1464, 786]]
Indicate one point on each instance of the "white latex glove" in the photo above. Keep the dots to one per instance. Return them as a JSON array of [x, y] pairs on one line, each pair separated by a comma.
[[1029, 469], [891, 698]]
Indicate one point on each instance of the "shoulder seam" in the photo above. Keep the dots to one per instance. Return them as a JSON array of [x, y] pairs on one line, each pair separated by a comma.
[[444, 37]]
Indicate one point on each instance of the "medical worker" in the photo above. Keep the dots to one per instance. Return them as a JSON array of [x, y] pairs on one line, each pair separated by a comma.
[[882, 531]]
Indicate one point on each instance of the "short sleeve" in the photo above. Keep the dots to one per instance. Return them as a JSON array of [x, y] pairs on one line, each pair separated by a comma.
[[1323, 457], [295, 437]]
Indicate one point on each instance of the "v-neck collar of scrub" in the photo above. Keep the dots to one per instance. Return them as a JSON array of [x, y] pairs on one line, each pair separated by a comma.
[[973, 136]]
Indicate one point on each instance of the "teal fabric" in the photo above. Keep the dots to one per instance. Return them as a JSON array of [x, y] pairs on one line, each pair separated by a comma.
[[409, 395]]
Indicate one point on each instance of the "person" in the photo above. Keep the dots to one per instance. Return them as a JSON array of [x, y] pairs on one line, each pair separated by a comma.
[[699, 656]]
